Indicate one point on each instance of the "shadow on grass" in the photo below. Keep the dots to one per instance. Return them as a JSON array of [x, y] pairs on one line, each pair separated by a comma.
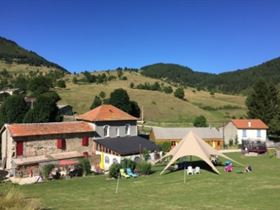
[[195, 163]]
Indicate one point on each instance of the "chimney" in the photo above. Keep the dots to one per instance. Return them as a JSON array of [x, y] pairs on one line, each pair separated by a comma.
[[249, 124]]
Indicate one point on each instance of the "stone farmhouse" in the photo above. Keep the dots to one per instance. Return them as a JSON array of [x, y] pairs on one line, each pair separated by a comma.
[[105, 135]]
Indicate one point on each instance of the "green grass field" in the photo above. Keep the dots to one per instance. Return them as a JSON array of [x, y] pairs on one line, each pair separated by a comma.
[[259, 190]]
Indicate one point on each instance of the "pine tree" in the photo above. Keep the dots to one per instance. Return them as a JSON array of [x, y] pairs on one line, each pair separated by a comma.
[[263, 103]]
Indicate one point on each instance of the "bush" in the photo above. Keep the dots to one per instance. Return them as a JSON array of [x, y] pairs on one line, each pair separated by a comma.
[[168, 89], [200, 121], [146, 155], [75, 80], [114, 170], [85, 164], [179, 93], [144, 168], [165, 146], [47, 170], [61, 84], [230, 142], [127, 163]]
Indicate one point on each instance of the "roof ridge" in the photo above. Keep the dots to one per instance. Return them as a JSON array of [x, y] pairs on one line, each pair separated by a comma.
[[46, 123]]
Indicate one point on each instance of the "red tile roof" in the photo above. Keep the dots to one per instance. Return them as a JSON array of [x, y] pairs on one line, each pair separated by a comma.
[[40, 129], [105, 112], [249, 124]]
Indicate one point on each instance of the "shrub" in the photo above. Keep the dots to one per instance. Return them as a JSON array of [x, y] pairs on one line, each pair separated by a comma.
[[114, 170], [165, 146], [179, 93], [61, 84], [47, 170], [146, 154], [85, 164], [200, 121], [131, 85], [230, 142], [75, 80], [127, 163], [168, 89], [102, 94], [144, 168]]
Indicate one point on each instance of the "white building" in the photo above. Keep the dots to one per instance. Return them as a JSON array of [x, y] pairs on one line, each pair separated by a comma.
[[245, 130]]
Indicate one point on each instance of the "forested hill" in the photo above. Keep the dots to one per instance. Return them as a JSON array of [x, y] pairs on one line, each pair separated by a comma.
[[11, 52], [229, 82], [176, 73]]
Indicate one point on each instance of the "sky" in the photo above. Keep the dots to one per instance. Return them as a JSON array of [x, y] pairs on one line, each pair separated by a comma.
[[211, 36]]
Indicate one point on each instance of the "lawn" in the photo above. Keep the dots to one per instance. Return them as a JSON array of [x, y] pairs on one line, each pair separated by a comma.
[[257, 190]]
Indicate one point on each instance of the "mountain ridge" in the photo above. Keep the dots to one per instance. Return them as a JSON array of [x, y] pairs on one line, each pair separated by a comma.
[[230, 82], [11, 52]]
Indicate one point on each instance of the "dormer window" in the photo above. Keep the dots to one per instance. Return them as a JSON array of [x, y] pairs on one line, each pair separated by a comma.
[[127, 129], [106, 131]]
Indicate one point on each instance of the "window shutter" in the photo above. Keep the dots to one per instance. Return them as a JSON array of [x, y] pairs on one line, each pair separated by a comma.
[[85, 141], [60, 143], [19, 148]]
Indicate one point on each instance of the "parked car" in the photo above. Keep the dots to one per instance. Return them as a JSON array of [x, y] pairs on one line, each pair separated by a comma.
[[254, 146]]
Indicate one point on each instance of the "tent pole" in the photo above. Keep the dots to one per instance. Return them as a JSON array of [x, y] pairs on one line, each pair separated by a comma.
[[185, 169], [184, 175], [117, 187]]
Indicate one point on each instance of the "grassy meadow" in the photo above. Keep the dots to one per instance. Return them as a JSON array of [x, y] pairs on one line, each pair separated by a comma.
[[159, 108], [259, 190]]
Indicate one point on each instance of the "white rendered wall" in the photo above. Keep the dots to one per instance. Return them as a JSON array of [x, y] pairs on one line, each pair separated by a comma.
[[251, 134]]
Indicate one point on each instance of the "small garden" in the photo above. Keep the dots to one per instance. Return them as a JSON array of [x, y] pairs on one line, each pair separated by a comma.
[[129, 168]]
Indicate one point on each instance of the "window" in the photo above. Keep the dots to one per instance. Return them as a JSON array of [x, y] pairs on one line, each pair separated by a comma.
[[19, 148], [85, 141], [244, 133], [137, 159], [127, 129], [107, 160], [106, 131], [115, 160], [259, 133], [117, 132], [60, 144]]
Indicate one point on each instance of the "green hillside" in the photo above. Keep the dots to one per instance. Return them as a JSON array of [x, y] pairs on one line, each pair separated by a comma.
[[158, 107], [12, 53], [229, 82]]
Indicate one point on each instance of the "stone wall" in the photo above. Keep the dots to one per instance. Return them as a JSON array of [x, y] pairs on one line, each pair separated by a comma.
[[49, 146]]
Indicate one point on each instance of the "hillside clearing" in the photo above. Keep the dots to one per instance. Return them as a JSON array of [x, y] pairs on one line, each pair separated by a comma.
[[158, 106]]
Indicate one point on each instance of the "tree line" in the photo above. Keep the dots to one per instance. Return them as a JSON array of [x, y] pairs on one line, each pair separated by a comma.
[[229, 82]]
